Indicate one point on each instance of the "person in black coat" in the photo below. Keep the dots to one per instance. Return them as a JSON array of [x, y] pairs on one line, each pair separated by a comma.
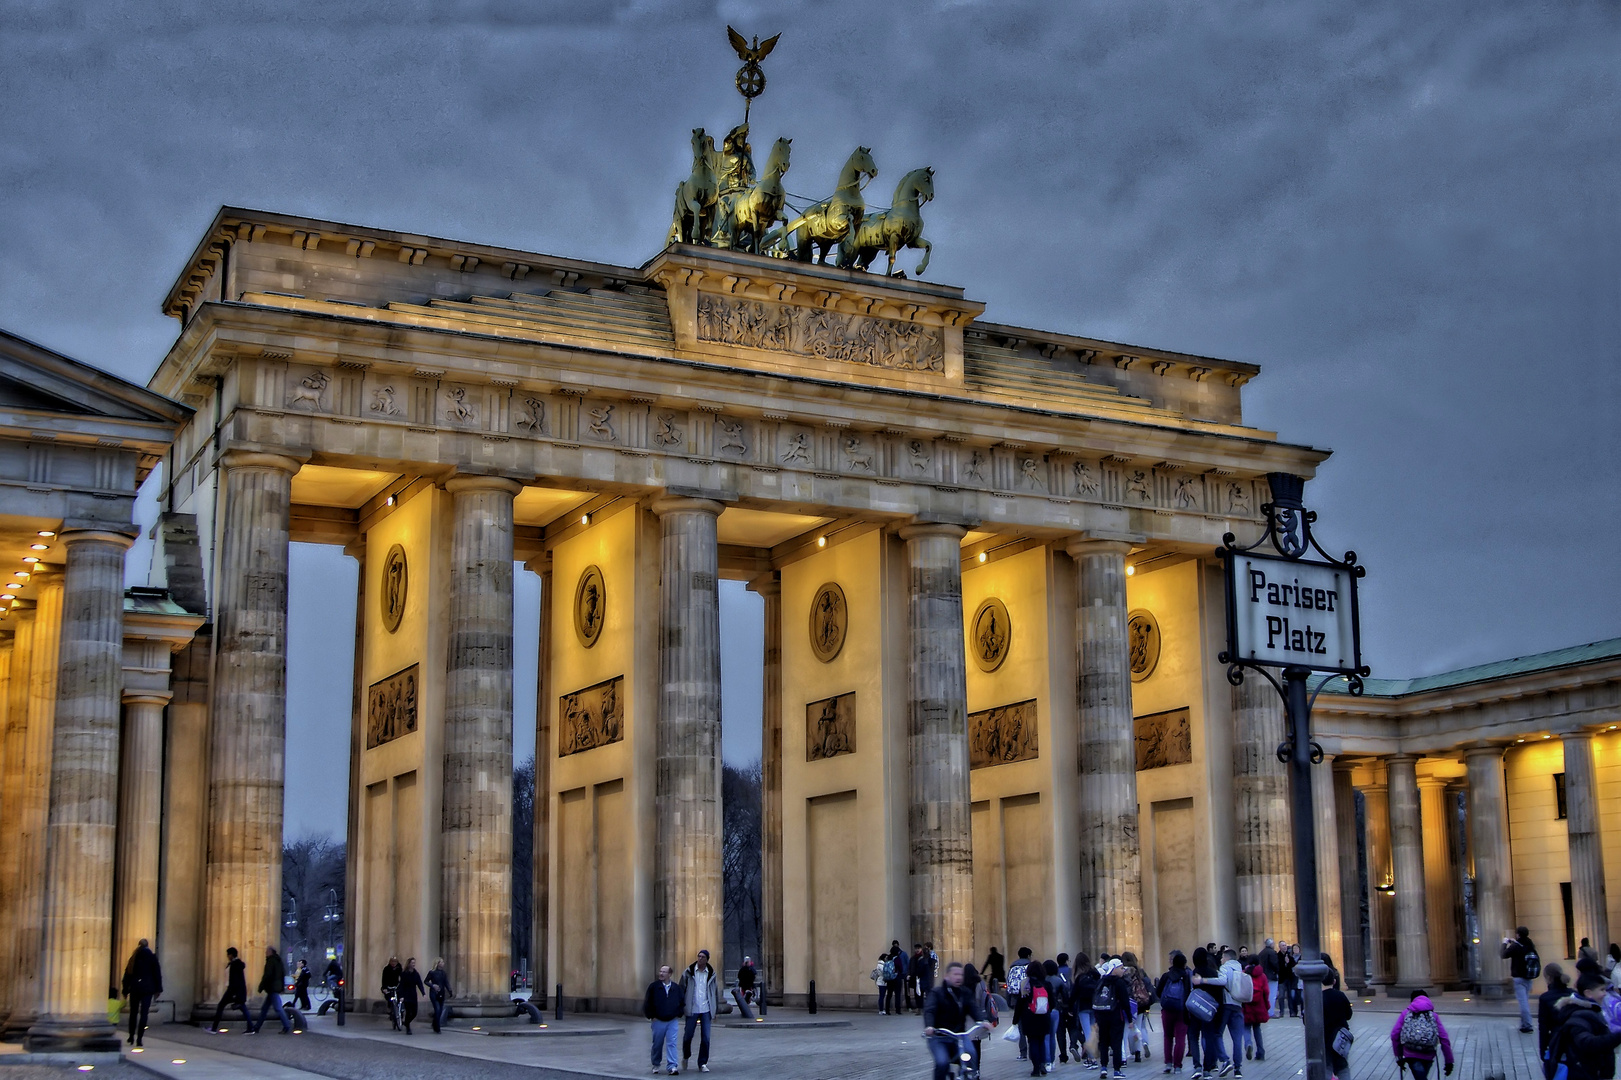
[[236, 990], [664, 1005], [1336, 1018], [272, 984], [1548, 1015], [410, 986], [1583, 1041], [949, 1007], [143, 981], [301, 986], [439, 992]]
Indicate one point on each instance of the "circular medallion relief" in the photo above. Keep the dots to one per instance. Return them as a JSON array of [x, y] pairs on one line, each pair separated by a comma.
[[992, 635], [829, 616], [396, 580], [1142, 630], [590, 606]]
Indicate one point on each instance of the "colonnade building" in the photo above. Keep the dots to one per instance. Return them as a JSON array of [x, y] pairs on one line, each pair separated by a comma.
[[992, 713]]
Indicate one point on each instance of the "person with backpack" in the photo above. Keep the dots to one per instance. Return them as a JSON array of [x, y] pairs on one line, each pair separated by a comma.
[[883, 973], [1547, 1005], [1207, 981], [1415, 1036], [1524, 965], [1035, 1006], [1084, 985], [1172, 990], [1060, 989], [1583, 1042], [1068, 1025], [897, 985], [1142, 999], [1111, 1009], [1257, 1011], [1018, 981], [1240, 990]]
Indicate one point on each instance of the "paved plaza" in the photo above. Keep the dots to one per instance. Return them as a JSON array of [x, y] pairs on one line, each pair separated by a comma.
[[788, 1045]]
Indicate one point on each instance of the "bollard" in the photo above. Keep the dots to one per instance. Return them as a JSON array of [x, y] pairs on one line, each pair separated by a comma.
[[762, 998], [558, 1013], [340, 1002], [811, 998]]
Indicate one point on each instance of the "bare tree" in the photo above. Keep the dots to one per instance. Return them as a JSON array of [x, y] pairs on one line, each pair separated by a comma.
[[523, 861], [312, 878], [741, 820]]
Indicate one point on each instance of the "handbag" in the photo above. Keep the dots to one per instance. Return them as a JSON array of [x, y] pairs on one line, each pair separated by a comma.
[[1342, 1042], [1202, 1005]]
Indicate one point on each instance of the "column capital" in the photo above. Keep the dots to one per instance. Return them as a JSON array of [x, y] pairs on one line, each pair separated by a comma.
[[147, 697], [1087, 544], [254, 459], [71, 537], [1578, 735], [683, 504], [482, 482], [1475, 750], [766, 584], [1436, 781], [919, 530], [1401, 759]]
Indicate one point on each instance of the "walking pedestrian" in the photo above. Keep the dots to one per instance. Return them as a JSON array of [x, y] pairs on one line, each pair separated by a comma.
[[950, 1007], [994, 970], [1548, 1015], [1086, 984], [1524, 965], [1297, 989], [663, 1005], [272, 984], [1415, 1036], [1173, 989], [1269, 965], [1035, 1006], [439, 993], [143, 980], [1067, 1024], [1142, 998], [410, 986], [1583, 1042], [1207, 977], [301, 986], [236, 990], [1257, 1011], [984, 1001], [747, 976], [1336, 1018], [1111, 1009], [1018, 980], [1239, 988], [925, 971], [700, 995]]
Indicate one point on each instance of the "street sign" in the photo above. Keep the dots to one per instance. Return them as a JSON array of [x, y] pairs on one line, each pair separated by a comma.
[[1285, 612]]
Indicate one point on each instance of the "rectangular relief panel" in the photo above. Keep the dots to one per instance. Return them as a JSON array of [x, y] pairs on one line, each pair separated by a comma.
[[391, 708], [1003, 734], [830, 727], [1163, 738], [591, 717]]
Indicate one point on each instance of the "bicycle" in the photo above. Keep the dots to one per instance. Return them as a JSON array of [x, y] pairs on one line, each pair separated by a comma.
[[395, 1013], [966, 1068]]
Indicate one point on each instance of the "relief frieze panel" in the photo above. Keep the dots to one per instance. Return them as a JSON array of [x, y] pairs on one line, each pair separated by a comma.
[[391, 708], [818, 332], [1002, 735], [591, 717], [1163, 738]]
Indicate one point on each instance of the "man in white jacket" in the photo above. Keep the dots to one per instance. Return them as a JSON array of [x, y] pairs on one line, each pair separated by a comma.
[[700, 989]]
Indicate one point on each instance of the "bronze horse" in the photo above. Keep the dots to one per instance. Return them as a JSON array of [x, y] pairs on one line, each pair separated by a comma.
[[899, 227], [829, 222], [745, 217], [695, 197]]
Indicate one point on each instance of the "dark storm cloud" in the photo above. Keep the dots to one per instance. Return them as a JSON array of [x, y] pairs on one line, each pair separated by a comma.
[[1406, 213]]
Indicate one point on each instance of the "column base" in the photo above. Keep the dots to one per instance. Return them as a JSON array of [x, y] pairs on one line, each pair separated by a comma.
[[483, 1005], [1398, 990], [72, 1035], [15, 1029], [1496, 991]]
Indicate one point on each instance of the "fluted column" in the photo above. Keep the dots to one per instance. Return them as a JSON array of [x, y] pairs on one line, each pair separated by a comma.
[[11, 799], [1441, 928], [140, 824], [1586, 845], [1111, 892], [32, 836], [475, 922], [1263, 853], [939, 811], [83, 810], [1331, 932], [771, 948], [1381, 872], [248, 715], [1407, 860], [1494, 882], [541, 834], [1354, 963], [688, 870]]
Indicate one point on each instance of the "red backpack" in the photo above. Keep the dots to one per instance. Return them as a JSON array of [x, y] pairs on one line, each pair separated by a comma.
[[1039, 1002]]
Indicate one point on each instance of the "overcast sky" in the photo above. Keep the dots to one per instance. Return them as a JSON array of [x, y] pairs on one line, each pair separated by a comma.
[[1406, 213]]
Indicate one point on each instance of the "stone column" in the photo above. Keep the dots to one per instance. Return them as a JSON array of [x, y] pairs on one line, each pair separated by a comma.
[[541, 842], [1407, 861], [33, 822], [1354, 962], [1494, 880], [248, 715], [1586, 845], [1111, 892], [1331, 932], [688, 870], [1262, 850], [475, 922], [1381, 872], [771, 947], [83, 799], [1438, 912], [140, 825], [11, 799], [939, 814]]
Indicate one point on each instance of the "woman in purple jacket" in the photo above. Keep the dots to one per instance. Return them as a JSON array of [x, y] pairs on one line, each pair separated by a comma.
[[1416, 1035]]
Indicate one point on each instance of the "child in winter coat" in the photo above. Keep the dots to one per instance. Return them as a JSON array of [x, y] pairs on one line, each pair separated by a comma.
[[1256, 1012], [1415, 1036]]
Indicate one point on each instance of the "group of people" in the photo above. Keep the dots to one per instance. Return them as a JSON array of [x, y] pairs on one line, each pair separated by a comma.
[[695, 999], [904, 979], [402, 985], [1578, 1022]]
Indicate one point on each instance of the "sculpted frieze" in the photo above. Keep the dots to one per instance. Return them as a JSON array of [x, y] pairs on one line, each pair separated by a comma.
[[391, 708], [818, 332]]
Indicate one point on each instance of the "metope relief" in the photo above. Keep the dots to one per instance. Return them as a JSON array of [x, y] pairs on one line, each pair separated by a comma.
[[1163, 738], [992, 634], [1142, 643], [308, 390], [396, 580], [829, 335], [1001, 735], [590, 718], [590, 606], [830, 727], [829, 618], [391, 708]]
